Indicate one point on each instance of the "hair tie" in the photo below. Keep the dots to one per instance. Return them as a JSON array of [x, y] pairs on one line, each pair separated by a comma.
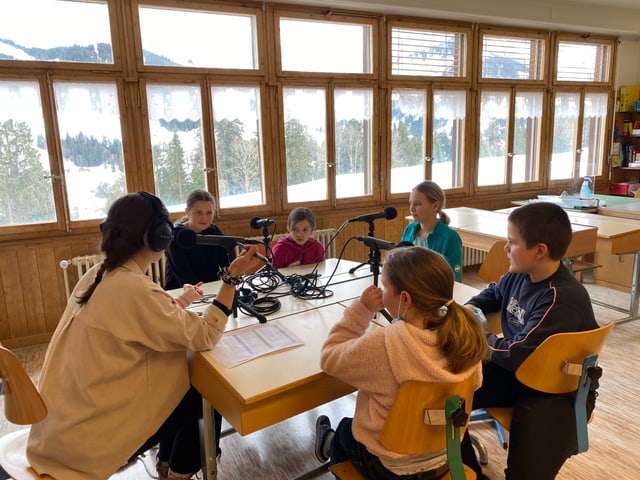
[[444, 309]]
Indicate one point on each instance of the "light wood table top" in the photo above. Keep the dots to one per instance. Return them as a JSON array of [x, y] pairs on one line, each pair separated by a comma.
[[491, 227]]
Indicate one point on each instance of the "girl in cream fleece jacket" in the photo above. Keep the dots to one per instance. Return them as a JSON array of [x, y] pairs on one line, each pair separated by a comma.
[[115, 377], [438, 341]]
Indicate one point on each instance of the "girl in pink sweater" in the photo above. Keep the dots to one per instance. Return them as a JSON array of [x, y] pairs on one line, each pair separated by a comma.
[[433, 339], [299, 247]]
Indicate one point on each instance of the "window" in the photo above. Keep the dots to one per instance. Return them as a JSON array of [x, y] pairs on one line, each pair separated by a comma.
[[578, 151], [238, 133], [49, 30], [512, 57], [353, 142], [510, 143], [305, 144], [428, 52], [583, 62], [26, 195], [175, 125], [91, 139], [183, 38], [411, 159], [325, 46]]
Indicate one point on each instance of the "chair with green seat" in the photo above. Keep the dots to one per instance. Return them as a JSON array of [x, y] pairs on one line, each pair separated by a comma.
[[563, 363], [425, 417]]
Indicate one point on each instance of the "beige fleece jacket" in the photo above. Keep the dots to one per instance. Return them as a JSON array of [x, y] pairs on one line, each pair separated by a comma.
[[113, 372], [377, 362]]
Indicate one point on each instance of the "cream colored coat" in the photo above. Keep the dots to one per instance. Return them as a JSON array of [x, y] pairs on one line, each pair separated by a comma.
[[113, 372]]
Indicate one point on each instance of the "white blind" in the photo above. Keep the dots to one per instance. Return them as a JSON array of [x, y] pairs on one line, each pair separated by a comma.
[[427, 53], [583, 62], [513, 58]]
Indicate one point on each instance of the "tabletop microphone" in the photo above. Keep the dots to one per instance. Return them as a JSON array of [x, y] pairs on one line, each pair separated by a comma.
[[188, 239], [373, 242], [257, 222], [387, 213]]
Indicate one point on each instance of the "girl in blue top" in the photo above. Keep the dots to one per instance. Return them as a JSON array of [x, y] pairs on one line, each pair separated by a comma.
[[430, 226]]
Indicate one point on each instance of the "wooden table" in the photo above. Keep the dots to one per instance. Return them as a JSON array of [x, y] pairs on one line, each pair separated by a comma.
[[480, 229], [278, 386]]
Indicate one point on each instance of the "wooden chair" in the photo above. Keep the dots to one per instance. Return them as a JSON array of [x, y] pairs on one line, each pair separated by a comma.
[[495, 263], [23, 405], [420, 421], [561, 364]]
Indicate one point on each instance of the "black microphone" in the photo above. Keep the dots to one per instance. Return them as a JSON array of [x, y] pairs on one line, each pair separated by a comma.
[[188, 239], [387, 213], [373, 242], [257, 222]]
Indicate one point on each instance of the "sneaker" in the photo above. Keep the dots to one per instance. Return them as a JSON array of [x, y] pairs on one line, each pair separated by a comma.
[[323, 443]]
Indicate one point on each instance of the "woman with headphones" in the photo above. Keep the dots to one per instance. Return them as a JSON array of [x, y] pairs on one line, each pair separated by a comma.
[[115, 377]]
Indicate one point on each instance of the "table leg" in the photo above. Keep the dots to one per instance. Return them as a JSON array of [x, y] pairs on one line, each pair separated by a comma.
[[210, 464], [635, 279]]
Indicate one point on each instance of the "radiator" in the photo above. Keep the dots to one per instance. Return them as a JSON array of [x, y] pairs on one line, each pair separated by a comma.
[[472, 256], [324, 236], [83, 263]]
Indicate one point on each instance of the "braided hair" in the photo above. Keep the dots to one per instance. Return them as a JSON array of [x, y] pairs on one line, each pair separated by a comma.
[[123, 232]]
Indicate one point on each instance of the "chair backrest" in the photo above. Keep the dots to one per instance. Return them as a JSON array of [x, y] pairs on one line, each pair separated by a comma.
[[555, 366], [157, 271], [23, 404], [495, 263], [406, 431]]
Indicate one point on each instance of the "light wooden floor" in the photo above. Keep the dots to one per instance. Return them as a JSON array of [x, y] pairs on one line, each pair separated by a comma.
[[285, 451]]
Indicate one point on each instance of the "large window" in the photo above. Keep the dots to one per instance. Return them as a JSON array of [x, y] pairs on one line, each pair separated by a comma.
[[578, 134], [269, 106], [412, 157]]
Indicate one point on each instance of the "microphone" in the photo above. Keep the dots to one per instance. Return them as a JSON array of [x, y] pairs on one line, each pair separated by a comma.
[[373, 242], [188, 239], [387, 213], [257, 222]]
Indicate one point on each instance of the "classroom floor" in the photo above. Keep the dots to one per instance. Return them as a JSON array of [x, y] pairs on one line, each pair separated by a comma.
[[285, 451]]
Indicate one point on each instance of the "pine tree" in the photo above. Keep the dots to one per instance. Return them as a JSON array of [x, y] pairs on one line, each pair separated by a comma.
[[25, 196]]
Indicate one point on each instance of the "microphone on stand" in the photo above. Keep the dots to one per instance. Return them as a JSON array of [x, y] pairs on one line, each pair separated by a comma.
[[388, 213], [257, 222], [373, 242], [188, 239]]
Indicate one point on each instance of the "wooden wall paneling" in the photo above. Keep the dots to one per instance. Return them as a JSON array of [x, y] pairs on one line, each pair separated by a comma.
[[14, 324]]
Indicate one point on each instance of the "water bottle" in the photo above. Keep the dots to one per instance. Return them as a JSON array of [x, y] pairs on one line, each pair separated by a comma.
[[585, 190]]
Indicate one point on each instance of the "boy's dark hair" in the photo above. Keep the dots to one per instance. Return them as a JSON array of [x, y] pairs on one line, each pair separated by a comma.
[[543, 222]]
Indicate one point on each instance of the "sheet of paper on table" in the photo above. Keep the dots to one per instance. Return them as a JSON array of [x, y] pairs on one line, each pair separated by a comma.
[[239, 346]]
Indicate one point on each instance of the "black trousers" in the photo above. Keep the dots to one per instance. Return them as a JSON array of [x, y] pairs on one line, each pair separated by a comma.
[[543, 429], [179, 435]]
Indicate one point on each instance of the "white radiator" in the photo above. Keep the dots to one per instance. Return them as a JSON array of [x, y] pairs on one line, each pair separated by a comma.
[[472, 256], [83, 263]]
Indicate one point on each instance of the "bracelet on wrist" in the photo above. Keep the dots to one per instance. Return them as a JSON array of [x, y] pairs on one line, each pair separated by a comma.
[[226, 276]]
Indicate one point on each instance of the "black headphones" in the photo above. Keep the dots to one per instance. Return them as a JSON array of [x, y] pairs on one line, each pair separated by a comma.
[[160, 233]]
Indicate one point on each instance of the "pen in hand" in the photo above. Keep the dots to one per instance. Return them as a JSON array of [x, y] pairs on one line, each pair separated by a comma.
[[257, 255]]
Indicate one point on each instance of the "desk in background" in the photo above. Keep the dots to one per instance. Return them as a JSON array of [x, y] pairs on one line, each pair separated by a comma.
[[480, 229], [275, 387]]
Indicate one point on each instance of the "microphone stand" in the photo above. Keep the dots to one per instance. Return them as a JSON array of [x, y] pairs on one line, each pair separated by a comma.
[[371, 261], [237, 303], [374, 260]]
